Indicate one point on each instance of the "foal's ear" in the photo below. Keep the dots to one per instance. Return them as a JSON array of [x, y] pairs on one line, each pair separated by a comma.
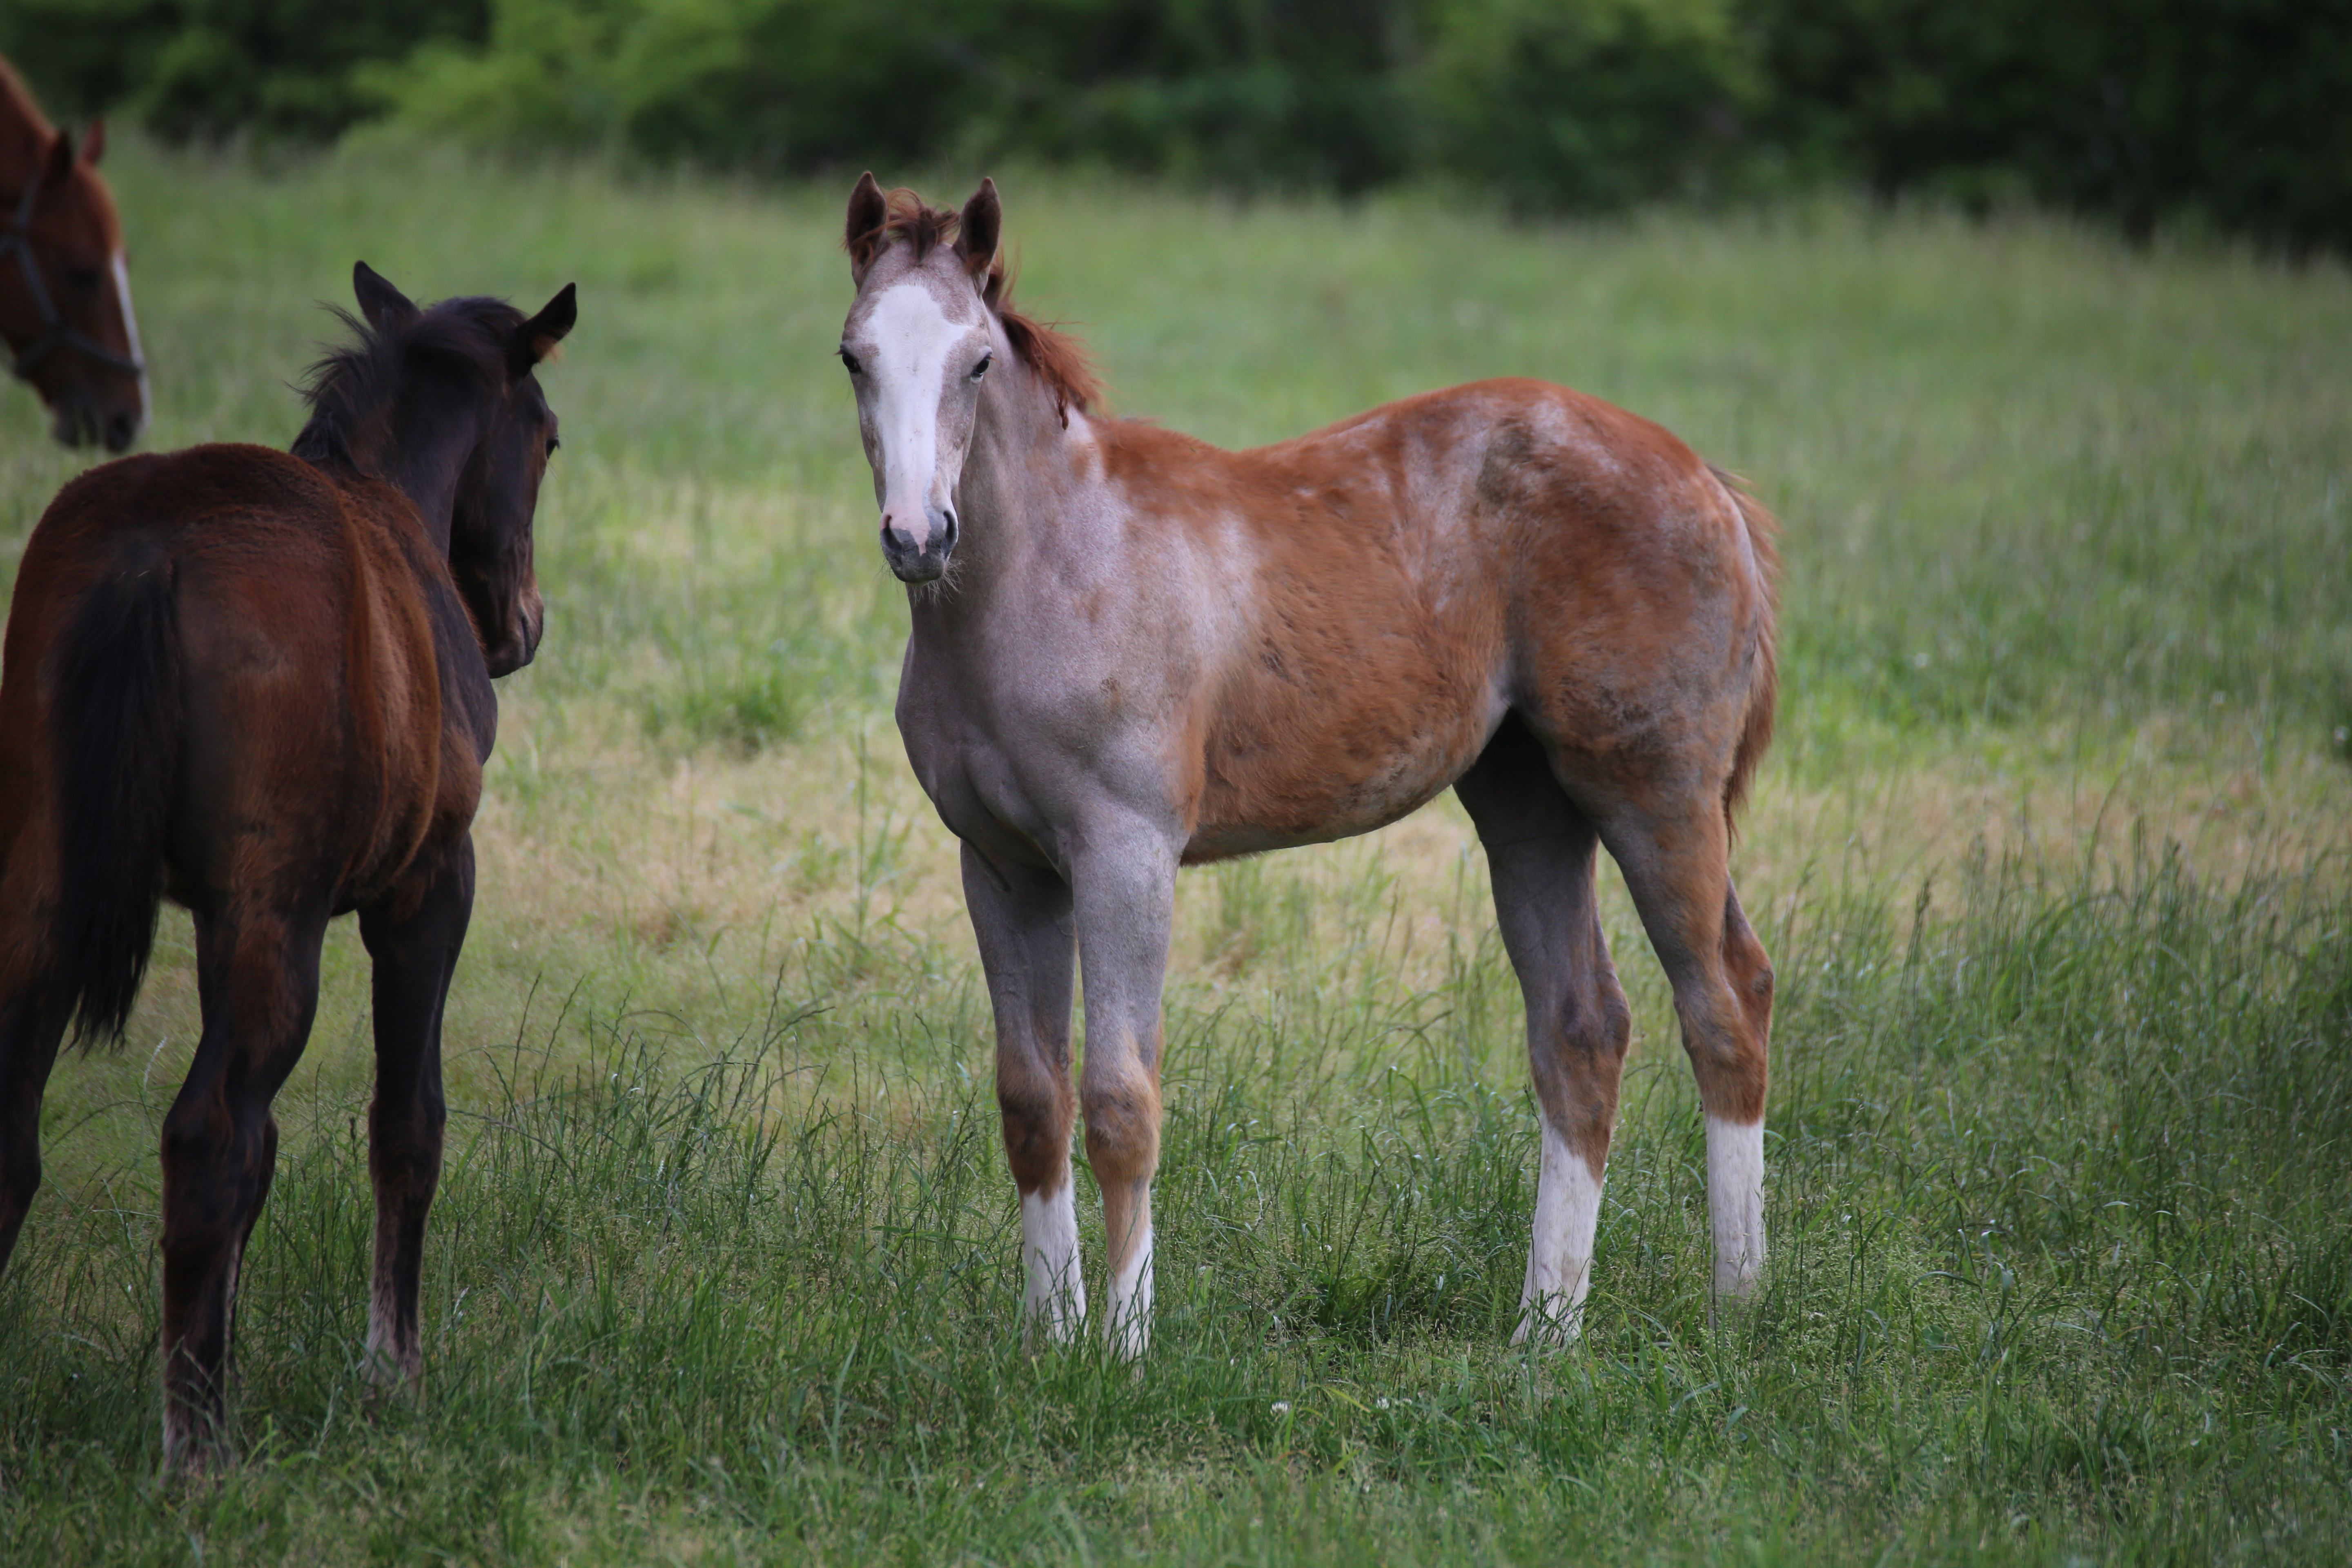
[[863, 235], [536, 338], [384, 306], [93, 146], [979, 229]]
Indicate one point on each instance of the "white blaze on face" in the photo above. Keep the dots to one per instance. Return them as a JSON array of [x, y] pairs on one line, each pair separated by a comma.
[[1734, 1202], [1559, 1257], [907, 376], [122, 269], [1053, 1299]]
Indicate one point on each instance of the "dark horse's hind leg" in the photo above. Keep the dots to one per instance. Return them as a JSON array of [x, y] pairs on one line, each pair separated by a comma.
[[31, 1022], [259, 979], [414, 939], [1540, 852], [30, 1028]]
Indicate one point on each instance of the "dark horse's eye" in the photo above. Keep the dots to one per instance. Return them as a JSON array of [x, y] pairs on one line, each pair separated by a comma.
[[850, 362], [982, 368], [86, 279], [552, 443]]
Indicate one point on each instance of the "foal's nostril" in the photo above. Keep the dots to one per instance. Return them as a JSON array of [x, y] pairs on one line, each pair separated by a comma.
[[948, 533]]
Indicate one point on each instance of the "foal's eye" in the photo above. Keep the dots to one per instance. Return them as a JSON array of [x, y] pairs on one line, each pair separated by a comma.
[[982, 368], [849, 362]]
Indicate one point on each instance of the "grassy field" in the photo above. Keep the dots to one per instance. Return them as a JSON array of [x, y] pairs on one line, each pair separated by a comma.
[[2052, 855]]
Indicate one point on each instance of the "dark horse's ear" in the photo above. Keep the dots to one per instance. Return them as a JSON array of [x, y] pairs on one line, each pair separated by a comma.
[[59, 167], [384, 306], [863, 235], [979, 229], [536, 338]]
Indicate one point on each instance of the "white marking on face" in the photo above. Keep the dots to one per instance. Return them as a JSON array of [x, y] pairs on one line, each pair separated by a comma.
[[1559, 1257], [122, 269], [1054, 1298], [908, 375], [1129, 1328], [1734, 1202]]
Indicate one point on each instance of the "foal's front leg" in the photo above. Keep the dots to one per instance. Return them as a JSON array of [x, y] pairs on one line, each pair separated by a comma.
[[414, 939], [1021, 917], [1125, 881]]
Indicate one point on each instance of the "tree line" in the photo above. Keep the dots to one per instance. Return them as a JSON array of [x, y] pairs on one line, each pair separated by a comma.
[[2223, 114]]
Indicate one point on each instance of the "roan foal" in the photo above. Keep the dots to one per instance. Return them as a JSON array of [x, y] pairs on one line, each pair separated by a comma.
[[1132, 651], [260, 683]]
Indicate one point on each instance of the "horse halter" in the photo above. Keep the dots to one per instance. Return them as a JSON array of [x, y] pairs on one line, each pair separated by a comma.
[[17, 241]]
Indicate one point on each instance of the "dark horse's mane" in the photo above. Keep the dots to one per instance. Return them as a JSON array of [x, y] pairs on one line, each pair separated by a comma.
[[350, 386], [1058, 358]]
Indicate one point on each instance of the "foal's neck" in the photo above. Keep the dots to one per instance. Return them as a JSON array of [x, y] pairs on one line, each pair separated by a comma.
[[1020, 476], [423, 452]]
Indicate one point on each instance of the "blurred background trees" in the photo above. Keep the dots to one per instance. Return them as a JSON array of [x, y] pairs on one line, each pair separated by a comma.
[[2224, 114]]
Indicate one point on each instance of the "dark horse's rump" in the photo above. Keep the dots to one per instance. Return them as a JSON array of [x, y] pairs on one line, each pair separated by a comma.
[[261, 685]]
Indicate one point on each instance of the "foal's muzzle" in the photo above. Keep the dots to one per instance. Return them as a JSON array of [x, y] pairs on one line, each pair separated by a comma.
[[923, 559]]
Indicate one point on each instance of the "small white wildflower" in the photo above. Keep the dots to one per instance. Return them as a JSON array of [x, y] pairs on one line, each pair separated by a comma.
[[1282, 1407], [1380, 1405], [1918, 661]]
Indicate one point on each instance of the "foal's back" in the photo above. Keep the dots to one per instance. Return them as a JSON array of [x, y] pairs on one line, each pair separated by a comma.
[[1386, 588], [319, 649]]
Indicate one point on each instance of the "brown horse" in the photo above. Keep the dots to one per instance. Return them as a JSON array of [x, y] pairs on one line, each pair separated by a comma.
[[1129, 651], [65, 286], [260, 684]]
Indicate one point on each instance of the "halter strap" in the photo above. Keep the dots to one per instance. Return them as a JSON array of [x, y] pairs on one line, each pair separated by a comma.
[[17, 241]]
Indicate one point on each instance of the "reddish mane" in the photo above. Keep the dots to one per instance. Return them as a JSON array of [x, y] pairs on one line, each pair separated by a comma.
[[1055, 357]]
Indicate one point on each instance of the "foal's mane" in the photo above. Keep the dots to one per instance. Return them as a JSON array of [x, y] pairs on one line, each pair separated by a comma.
[[352, 385], [1055, 357]]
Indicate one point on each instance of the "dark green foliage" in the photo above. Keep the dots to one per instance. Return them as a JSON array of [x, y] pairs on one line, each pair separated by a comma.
[[201, 69], [2221, 112], [1594, 105], [2227, 111]]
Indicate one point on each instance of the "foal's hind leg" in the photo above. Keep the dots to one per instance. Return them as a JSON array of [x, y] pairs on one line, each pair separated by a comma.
[[1677, 866], [259, 980], [1021, 917], [414, 939], [1540, 853]]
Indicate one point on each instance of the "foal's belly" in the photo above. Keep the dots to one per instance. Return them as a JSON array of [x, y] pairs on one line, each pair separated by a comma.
[[1310, 766]]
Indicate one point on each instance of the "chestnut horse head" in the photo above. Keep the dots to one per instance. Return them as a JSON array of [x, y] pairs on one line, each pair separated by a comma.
[[441, 403], [65, 286], [934, 313]]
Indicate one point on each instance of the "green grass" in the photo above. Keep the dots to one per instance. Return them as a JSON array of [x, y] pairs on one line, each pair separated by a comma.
[[2051, 857]]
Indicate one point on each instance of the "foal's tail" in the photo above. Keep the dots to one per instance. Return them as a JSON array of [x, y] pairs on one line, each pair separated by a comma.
[[1764, 684], [114, 729]]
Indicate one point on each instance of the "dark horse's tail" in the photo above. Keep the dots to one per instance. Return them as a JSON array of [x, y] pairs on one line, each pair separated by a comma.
[[114, 727]]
